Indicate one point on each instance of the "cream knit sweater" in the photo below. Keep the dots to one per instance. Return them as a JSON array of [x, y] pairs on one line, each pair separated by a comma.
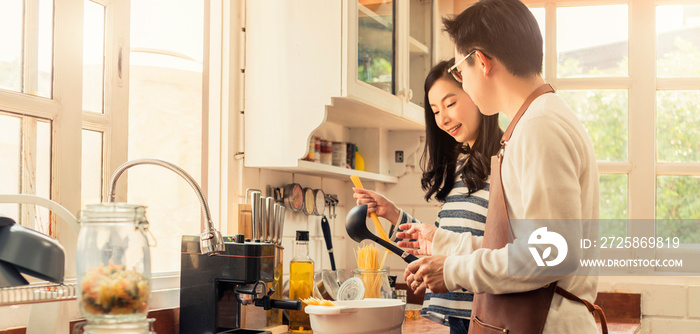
[[549, 171]]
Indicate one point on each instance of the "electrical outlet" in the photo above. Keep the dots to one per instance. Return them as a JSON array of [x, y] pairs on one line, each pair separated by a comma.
[[398, 156]]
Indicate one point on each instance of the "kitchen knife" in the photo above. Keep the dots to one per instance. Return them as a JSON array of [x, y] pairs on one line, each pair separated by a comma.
[[275, 223], [269, 218], [280, 223], [255, 209]]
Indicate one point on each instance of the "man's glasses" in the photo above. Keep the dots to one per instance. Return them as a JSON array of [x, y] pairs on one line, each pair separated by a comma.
[[453, 69]]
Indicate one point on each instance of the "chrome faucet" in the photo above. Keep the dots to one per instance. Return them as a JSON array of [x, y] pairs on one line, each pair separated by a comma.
[[210, 240]]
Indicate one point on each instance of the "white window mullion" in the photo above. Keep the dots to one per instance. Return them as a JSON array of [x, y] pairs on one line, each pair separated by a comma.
[[642, 129], [67, 91], [30, 62], [550, 42], [28, 169], [642, 102], [23, 104], [115, 138]]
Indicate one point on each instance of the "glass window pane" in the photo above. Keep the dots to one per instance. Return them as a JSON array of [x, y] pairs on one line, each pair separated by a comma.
[[678, 41], [11, 45], [93, 56], [375, 49], [10, 143], [613, 196], [539, 14], [91, 168], [603, 113], [165, 87], [676, 199], [420, 45], [45, 48], [613, 205], [677, 123], [586, 49], [43, 173]]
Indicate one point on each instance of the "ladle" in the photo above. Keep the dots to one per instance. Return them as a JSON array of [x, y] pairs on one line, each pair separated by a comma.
[[356, 226]]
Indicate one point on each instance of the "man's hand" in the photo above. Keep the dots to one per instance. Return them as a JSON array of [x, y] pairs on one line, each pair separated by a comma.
[[425, 273], [424, 233]]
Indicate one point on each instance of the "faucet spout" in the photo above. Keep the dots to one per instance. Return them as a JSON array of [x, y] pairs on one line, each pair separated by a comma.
[[211, 242]]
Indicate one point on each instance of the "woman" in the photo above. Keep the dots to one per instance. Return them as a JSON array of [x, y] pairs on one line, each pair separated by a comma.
[[456, 167]]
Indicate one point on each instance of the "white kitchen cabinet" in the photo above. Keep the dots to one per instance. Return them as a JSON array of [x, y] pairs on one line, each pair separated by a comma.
[[303, 77], [396, 33]]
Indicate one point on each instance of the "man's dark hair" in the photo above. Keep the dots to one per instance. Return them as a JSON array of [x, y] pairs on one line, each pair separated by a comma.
[[504, 29]]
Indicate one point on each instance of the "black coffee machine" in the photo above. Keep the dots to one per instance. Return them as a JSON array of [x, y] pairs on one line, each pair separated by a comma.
[[213, 288]]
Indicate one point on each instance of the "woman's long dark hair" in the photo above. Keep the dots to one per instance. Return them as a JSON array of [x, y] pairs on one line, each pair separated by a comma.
[[439, 160]]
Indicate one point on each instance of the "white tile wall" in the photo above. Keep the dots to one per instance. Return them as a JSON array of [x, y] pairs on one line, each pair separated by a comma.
[[407, 194], [694, 301], [675, 326], [658, 299]]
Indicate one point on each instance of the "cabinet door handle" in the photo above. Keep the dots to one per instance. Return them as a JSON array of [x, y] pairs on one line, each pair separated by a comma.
[[409, 95]]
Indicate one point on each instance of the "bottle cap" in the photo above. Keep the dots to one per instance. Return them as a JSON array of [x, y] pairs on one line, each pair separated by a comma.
[[302, 235], [352, 289], [392, 281]]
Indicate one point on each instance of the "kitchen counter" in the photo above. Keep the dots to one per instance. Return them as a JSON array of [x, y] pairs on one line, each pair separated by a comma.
[[420, 326], [423, 325]]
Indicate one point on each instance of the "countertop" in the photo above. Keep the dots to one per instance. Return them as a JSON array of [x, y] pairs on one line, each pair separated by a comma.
[[420, 326], [423, 325]]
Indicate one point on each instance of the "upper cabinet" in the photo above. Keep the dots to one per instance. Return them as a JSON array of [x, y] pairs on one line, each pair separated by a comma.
[[391, 42], [349, 70]]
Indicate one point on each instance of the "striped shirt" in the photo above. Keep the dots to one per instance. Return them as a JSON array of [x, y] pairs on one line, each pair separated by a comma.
[[460, 213]]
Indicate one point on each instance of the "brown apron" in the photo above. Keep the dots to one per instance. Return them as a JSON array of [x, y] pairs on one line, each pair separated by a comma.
[[523, 312]]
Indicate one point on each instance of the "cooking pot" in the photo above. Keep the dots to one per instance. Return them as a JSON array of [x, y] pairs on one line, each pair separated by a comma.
[[358, 317]]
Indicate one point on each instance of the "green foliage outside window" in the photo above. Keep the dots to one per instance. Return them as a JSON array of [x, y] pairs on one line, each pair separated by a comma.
[[604, 114]]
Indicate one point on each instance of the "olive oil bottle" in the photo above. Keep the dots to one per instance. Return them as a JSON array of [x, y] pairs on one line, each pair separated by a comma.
[[301, 282]]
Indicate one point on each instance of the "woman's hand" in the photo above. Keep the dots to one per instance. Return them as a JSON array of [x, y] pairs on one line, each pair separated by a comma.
[[426, 272], [424, 235], [377, 203]]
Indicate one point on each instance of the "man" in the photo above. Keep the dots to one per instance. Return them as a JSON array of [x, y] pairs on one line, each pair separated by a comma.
[[549, 169]]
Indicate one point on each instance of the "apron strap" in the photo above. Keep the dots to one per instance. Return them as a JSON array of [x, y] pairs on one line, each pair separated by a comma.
[[595, 309]]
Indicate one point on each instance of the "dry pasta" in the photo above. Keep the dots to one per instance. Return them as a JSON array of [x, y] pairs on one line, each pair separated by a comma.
[[316, 301], [368, 264]]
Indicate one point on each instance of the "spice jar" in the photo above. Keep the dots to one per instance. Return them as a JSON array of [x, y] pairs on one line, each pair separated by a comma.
[[376, 282], [114, 263]]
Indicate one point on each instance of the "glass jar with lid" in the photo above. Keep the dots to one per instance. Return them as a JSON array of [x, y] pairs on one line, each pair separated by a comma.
[[376, 282], [113, 263]]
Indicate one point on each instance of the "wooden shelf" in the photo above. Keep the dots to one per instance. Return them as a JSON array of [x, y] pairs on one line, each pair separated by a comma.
[[318, 169]]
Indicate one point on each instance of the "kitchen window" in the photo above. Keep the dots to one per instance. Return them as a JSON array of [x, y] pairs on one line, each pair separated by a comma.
[[166, 73], [636, 88], [58, 137], [63, 140]]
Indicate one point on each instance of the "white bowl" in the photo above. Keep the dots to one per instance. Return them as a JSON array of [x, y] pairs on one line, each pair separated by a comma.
[[367, 316]]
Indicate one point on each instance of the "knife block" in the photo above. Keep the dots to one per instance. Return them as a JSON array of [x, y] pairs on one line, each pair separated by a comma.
[[242, 222]]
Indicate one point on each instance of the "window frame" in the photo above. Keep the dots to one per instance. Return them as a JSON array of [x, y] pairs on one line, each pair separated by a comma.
[[642, 85], [64, 109]]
